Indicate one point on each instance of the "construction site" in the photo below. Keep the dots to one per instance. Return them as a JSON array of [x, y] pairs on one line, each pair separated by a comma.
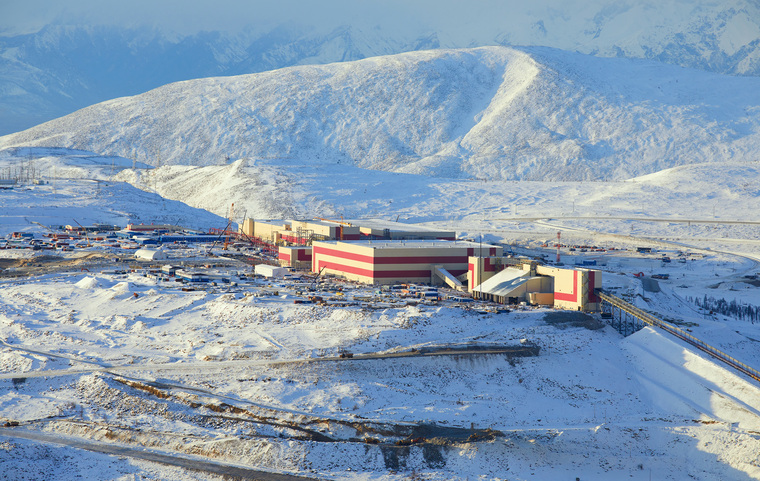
[[390, 253]]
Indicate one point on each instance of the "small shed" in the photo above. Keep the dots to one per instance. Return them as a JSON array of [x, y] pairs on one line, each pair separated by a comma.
[[266, 270], [169, 269], [191, 276]]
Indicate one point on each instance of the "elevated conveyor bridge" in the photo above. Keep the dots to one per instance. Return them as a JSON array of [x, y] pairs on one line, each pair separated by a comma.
[[627, 319]]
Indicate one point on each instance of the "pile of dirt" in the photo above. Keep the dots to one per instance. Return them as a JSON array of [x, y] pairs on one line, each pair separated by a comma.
[[9, 263], [46, 263], [43, 259], [564, 319]]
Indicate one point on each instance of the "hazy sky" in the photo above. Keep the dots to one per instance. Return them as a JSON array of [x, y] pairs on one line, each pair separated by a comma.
[[188, 16]]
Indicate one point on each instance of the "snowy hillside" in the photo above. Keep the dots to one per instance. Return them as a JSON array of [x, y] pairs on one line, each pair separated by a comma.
[[489, 113], [62, 67], [691, 206], [97, 357], [76, 188], [268, 189]]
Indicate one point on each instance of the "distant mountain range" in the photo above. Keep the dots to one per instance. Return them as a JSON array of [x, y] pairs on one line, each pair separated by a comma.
[[62, 68], [487, 113]]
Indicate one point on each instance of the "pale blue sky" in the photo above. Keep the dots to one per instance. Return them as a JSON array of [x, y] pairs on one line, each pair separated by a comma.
[[188, 16]]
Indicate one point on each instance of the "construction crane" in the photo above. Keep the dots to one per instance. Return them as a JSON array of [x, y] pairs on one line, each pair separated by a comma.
[[241, 225], [230, 213], [317, 276], [87, 237], [340, 222], [229, 223], [223, 232]]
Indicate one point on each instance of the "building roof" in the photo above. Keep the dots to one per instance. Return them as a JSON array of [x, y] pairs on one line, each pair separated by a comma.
[[504, 282], [410, 244], [322, 222], [277, 222], [393, 226], [151, 254]]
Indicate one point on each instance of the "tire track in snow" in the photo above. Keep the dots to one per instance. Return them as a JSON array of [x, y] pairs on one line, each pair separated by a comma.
[[195, 463]]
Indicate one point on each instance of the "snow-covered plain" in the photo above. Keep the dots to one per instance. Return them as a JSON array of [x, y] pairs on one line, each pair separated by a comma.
[[195, 373]]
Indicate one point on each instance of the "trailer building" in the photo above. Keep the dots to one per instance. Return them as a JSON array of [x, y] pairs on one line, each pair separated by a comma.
[[265, 270]]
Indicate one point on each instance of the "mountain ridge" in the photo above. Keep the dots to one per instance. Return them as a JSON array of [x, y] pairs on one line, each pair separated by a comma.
[[63, 67], [490, 112]]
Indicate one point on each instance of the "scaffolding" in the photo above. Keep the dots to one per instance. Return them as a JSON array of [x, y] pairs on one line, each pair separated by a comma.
[[304, 237]]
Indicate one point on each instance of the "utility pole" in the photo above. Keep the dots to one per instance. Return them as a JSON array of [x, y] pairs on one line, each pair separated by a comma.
[[480, 269]]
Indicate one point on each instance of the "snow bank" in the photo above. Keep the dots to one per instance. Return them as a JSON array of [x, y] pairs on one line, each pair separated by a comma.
[[88, 283], [683, 380], [121, 289]]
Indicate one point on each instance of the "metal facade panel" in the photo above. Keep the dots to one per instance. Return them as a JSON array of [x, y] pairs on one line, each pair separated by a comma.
[[384, 262]]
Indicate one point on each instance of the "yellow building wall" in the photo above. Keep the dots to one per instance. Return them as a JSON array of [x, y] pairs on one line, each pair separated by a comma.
[[269, 231], [247, 227]]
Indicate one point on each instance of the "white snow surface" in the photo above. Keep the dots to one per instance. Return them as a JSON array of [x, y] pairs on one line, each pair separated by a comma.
[[592, 405], [492, 113]]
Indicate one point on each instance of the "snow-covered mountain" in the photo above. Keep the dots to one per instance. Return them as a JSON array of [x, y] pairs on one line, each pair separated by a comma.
[[486, 113], [63, 67]]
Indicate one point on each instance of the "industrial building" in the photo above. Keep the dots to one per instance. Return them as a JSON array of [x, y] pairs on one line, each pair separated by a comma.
[[380, 229], [389, 262], [514, 285], [304, 232], [298, 232], [91, 228], [297, 257], [381, 252], [510, 281], [152, 228], [150, 254]]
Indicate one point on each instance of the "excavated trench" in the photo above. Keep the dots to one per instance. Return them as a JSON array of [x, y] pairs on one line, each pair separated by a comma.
[[398, 445], [370, 432]]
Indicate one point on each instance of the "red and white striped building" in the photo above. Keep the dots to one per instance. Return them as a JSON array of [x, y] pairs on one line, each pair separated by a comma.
[[508, 280], [391, 262], [574, 288], [297, 257]]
